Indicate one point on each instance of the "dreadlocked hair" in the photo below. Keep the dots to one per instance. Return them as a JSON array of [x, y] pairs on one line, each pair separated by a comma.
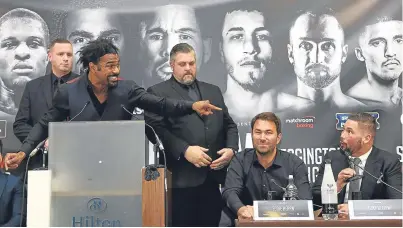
[[94, 50]]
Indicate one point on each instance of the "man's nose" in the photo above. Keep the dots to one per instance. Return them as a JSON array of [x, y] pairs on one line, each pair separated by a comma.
[[22, 51]]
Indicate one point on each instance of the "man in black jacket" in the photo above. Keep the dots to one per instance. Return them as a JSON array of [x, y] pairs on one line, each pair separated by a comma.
[[38, 93], [357, 137], [99, 96], [198, 149]]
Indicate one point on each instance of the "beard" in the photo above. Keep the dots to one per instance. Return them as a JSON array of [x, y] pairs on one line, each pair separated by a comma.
[[253, 84], [317, 76]]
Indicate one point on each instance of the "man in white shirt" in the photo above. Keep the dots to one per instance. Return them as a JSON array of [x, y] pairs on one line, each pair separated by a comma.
[[357, 149]]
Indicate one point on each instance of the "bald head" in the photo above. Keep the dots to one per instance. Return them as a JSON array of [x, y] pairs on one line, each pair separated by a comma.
[[316, 26]]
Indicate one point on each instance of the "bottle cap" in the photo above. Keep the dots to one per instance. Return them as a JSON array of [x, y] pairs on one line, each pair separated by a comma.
[[328, 161], [290, 177]]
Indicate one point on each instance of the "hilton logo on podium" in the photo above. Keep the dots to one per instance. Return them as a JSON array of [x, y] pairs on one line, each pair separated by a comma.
[[95, 206]]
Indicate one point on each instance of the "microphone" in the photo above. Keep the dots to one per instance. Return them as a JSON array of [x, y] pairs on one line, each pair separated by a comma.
[[157, 139], [274, 182], [379, 180], [34, 151]]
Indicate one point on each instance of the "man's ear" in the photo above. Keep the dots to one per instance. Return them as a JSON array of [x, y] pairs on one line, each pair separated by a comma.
[[344, 53], [279, 137], [358, 54], [290, 54], [207, 49]]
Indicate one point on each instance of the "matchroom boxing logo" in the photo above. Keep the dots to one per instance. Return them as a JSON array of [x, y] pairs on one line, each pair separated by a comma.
[[303, 122]]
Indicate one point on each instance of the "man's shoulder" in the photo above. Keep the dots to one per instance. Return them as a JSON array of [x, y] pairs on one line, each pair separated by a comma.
[[290, 157], [38, 80], [387, 156], [209, 86], [160, 86], [74, 80]]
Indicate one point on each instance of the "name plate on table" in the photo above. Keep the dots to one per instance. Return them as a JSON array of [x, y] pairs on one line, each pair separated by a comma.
[[375, 209], [283, 210]]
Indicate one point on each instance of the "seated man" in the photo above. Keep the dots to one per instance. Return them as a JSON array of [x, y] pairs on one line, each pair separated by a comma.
[[357, 138], [256, 172], [10, 199]]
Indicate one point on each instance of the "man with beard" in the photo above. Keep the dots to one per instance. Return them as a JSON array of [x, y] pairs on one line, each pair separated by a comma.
[[88, 24], [380, 47], [198, 149], [170, 25], [38, 93], [246, 50], [250, 175], [24, 36], [99, 96], [357, 139], [317, 51]]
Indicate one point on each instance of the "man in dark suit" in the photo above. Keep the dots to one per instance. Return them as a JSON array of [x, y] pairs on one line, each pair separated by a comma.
[[38, 93], [198, 149], [10, 200], [99, 96], [357, 137]]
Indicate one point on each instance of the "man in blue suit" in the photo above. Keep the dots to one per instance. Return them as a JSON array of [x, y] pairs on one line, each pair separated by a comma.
[[10, 200]]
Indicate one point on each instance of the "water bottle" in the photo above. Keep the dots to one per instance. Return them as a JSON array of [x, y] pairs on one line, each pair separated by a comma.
[[329, 194], [291, 191]]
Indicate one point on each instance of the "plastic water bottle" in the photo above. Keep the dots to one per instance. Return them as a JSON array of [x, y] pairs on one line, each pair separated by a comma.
[[329, 194], [291, 191]]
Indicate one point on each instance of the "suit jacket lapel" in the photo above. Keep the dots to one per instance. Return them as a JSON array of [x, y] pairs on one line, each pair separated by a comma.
[[47, 90], [373, 166], [183, 93]]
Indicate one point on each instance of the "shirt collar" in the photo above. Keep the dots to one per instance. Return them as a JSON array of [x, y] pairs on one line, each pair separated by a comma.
[[65, 77], [193, 85], [278, 159], [365, 156]]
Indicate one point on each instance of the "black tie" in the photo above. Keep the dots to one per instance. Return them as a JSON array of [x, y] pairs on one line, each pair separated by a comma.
[[192, 92], [355, 184], [58, 82]]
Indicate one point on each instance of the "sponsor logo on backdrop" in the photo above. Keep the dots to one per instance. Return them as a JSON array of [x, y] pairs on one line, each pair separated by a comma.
[[303, 122], [343, 117]]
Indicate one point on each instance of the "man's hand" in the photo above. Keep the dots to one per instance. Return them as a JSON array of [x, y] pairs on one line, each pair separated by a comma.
[[1, 162], [343, 176], [13, 160], [46, 144], [197, 156], [245, 212], [343, 211], [204, 107], [221, 162]]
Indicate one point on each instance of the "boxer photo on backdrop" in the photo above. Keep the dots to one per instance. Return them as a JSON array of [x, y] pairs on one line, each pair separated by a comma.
[[380, 49], [167, 26], [24, 38], [317, 51], [84, 25]]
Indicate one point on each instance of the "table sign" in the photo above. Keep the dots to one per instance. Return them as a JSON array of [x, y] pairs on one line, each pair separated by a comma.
[[375, 209], [283, 210]]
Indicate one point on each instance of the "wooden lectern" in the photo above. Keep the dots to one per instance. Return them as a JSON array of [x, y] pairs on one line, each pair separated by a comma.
[[153, 200]]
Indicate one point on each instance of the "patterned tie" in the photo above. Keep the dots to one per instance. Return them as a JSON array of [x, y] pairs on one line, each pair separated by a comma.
[[355, 184]]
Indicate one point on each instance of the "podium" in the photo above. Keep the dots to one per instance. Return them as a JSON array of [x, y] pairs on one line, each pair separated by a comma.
[[157, 208], [94, 176]]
